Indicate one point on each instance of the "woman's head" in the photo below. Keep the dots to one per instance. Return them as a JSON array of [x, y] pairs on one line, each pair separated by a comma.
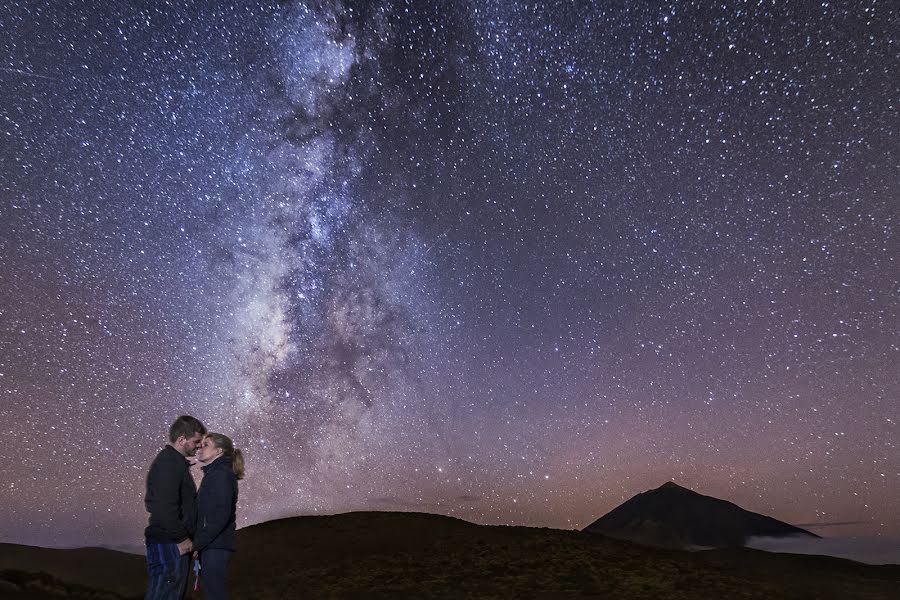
[[215, 445]]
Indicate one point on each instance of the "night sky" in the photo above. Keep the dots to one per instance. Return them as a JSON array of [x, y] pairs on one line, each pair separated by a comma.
[[512, 262]]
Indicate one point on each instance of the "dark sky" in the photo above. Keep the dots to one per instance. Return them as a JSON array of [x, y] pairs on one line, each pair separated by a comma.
[[512, 262]]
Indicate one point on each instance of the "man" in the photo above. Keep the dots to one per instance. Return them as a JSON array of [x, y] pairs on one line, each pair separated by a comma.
[[171, 501]]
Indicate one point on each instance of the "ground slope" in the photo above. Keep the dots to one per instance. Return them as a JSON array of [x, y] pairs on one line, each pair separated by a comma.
[[414, 555]]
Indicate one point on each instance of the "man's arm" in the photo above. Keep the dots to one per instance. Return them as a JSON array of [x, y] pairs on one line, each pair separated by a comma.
[[164, 493]]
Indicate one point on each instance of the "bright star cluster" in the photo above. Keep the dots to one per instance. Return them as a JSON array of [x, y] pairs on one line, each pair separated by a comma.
[[512, 262]]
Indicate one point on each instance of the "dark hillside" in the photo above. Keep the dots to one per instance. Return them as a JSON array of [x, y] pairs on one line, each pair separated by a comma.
[[413, 555]]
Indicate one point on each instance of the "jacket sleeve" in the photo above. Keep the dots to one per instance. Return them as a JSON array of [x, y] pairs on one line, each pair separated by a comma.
[[213, 508], [164, 495], [189, 504]]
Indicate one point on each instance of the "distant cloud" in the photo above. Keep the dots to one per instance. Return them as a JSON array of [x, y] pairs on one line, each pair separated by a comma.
[[129, 548], [872, 550], [469, 498], [829, 524], [395, 503]]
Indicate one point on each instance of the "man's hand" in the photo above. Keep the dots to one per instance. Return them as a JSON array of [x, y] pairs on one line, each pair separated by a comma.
[[185, 546]]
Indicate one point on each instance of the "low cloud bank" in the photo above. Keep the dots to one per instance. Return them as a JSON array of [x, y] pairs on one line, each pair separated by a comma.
[[871, 550]]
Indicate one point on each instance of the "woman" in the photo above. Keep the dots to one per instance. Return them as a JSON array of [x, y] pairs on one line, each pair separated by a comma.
[[223, 465]]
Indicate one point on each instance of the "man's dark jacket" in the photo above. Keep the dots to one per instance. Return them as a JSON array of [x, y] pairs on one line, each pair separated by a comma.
[[217, 507], [171, 499]]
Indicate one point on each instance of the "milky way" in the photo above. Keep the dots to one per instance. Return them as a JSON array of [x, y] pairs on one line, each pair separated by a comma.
[[508, 262]]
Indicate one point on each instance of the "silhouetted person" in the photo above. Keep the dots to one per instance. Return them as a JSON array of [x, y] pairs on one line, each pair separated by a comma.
[[216, 511], [171, 501]]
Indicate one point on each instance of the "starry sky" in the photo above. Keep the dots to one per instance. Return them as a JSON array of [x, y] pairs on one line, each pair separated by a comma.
[[511, 262]]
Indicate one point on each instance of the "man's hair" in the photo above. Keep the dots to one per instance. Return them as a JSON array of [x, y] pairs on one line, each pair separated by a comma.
[[186, 426]]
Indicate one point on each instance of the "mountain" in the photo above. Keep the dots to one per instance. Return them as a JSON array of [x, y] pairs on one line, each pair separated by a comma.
[[672, 516], [31, 572], [416, 555]]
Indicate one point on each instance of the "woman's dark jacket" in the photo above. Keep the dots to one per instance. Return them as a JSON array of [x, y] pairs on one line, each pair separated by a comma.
[[216, 507]]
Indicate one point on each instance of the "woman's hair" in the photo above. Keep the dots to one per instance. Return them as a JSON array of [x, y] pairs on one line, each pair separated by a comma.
[[227, 446]]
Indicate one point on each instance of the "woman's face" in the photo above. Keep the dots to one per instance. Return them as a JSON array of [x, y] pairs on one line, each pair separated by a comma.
[[207, 451]]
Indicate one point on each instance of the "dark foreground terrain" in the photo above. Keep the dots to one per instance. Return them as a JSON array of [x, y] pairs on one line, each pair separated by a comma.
[[412, 555]]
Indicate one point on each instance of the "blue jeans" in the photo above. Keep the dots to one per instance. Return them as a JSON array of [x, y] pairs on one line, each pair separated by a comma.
[[214, 573], [167, 572]]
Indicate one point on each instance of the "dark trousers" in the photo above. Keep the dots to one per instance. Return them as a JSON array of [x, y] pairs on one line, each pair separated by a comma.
[[167, 572], [214, 572]]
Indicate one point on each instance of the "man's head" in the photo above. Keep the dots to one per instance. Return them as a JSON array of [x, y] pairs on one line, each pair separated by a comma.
[[185, 434]]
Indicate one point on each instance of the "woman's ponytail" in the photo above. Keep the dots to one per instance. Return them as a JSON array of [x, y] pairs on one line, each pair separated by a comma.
[[237, 463]]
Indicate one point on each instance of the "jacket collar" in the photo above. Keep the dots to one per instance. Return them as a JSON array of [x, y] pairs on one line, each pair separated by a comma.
[[223, 462]]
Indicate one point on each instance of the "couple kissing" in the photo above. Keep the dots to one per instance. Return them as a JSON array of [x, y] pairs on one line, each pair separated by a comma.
[[185, 522]]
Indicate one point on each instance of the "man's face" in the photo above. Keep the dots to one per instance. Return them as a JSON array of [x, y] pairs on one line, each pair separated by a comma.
[[189, 445]]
